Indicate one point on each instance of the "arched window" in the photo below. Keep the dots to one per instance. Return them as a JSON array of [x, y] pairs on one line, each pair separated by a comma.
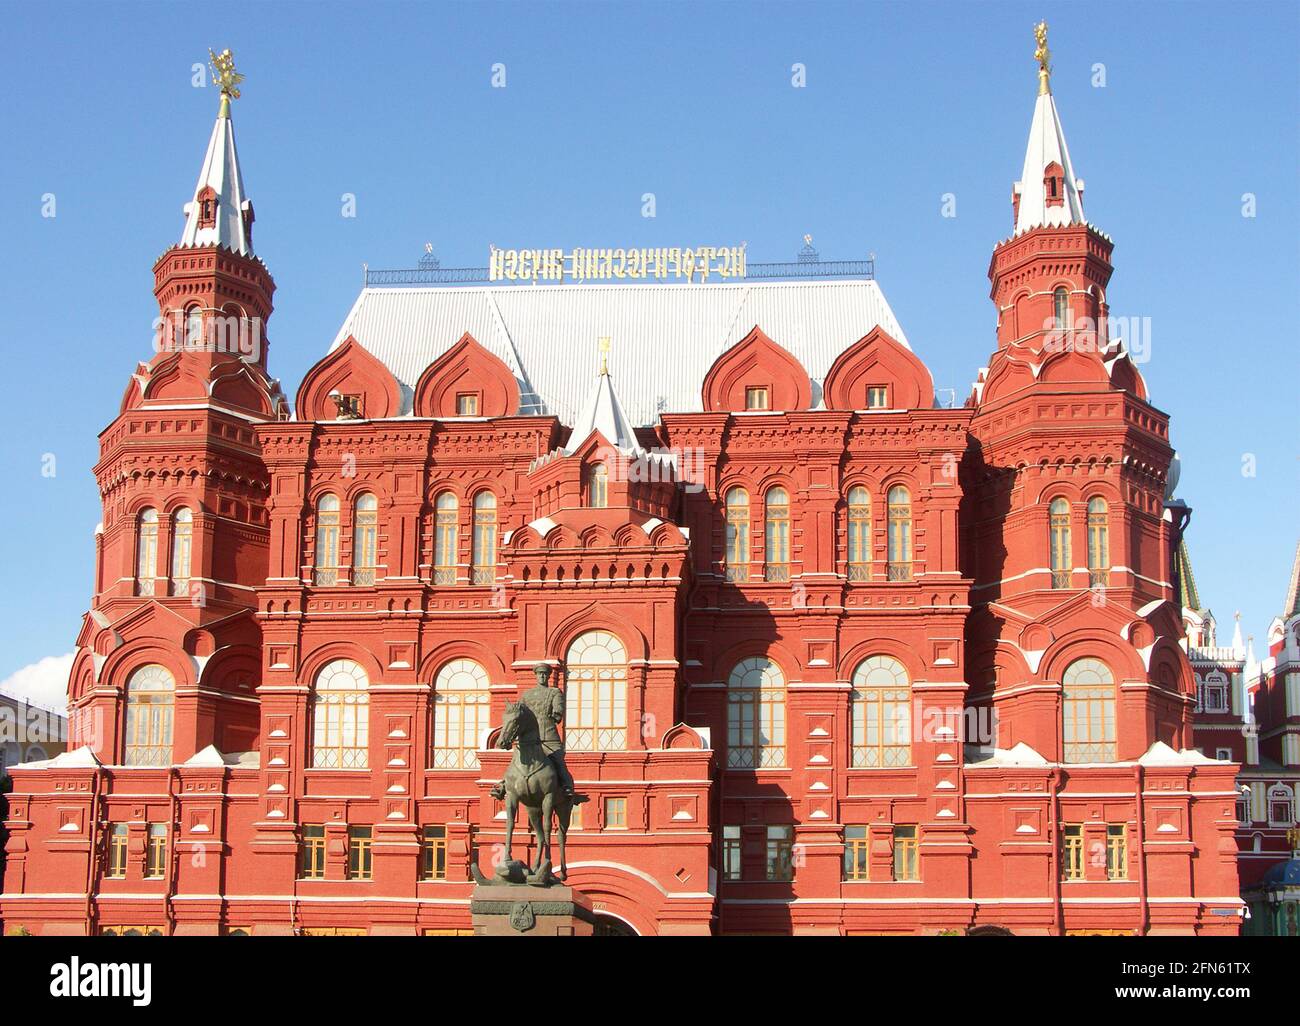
[[777, 531], [146, 548], [1088, 712], [595, 700], [182, 549], [881, 709], [1061, 308], [340, 706], [365, 539], [327, 541], [461, 707], [1058, 516], [485, 538], [598, 485], [859, 531], [446, 538], [150, 704], [900, 534], [193, 328], [756, 715], [1098, 544], [737, 535]]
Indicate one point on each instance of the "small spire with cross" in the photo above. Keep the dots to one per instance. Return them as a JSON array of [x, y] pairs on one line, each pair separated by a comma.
[[604, 354]]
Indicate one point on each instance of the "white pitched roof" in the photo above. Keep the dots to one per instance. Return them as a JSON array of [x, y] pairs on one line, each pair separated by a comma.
[[1046, 146], [221, 171], [665, 337]]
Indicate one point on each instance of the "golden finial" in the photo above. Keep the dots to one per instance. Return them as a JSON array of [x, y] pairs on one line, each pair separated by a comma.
[[223, 70], [1044, 58], [604, 355]]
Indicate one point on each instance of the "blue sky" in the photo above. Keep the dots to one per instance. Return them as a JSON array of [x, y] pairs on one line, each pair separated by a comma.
[[693, 102]]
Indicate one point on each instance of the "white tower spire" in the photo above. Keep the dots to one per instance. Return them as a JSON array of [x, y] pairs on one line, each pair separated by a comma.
[[219, 213], [1048, 193]]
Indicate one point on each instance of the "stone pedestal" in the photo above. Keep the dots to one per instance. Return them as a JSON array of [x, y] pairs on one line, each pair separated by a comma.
[[520, 910]]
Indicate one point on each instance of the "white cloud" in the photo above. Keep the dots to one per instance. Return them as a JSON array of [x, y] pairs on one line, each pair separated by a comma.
[[43, 683]]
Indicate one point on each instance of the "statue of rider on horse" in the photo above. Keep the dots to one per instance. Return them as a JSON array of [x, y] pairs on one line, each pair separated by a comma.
[[537, 777]]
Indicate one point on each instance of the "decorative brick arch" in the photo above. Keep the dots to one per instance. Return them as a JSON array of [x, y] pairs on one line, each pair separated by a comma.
[[878, 359], [351, 370], [756, 361], [467, 368]]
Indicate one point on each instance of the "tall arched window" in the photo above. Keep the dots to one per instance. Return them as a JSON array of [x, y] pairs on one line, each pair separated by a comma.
[[756, 715], [461, 707], [900, 534], [146, 549], [485, 538], [859, 531], [327, 541], [1058, 515], [777, 531], [1088, 712], [340, 705], [365, 539], [1061, 308], [194, 328], [182, 549], [881, 709], [595, 699], [150, 704], [598, 485], [1098, 544], [737, 534], [446, 538]]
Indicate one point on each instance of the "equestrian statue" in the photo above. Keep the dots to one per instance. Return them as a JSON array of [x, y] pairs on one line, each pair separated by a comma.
[[537, 778]]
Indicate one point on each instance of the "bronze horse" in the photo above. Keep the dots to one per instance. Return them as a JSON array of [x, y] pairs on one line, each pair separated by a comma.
[[531, 780]]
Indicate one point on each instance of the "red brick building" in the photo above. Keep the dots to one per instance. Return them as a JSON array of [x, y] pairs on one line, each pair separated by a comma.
[[1248, 712], [836, 659]]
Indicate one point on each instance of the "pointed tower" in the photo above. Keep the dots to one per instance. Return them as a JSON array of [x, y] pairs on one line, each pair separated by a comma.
[[183, 543], [1069, 537]]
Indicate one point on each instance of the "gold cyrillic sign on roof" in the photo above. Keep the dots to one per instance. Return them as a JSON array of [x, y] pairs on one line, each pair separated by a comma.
[[578, 265]]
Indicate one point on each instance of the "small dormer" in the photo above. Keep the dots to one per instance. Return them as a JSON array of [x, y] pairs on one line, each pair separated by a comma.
[[348, 383], [756, 376], [207, 201], [466, 381], [1054, 185]]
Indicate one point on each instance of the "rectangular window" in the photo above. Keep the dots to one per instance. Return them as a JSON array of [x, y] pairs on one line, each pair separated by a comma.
[[117, 833], [1072, 851], [1243, 811], [855, 853], [435, 853], [349, 407], [877, 397], [731, 853], [359, 857], [756, 398], [1088, 714], [1116, 851], [780, 851], [906, 861], [466, 404], [1223, 754], [311, 853], [615, 813], [156, 854]]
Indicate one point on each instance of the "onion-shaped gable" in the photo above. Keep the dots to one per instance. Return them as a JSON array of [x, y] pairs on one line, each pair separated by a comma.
[[878, 360], [466, 380], [756, 362], [349, 372]]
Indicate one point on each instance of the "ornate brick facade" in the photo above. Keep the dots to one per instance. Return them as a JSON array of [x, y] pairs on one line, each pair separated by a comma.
[[837, 660]]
